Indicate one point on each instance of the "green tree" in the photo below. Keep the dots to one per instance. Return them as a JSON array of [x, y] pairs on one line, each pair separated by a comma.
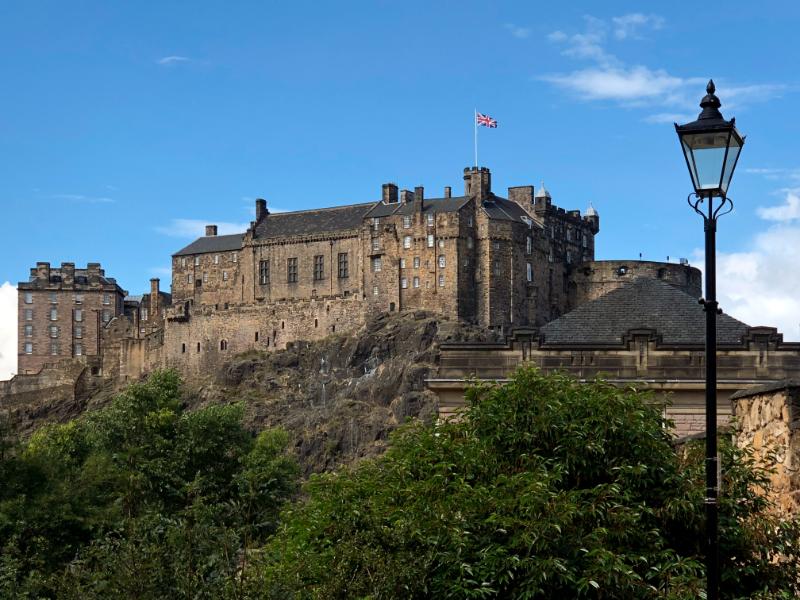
[[545, 488]]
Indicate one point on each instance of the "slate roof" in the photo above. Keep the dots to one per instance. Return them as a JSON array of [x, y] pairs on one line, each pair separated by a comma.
[[309, 222], [504, 210], [213, 243], [642, 304], [434, 205]]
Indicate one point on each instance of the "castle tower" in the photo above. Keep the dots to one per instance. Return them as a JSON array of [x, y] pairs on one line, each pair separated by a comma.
[[477, 182]]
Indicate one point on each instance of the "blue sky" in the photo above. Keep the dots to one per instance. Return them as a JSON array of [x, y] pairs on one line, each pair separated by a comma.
[[124, 127]]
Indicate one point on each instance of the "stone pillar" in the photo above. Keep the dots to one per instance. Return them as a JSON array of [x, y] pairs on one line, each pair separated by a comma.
[[769, 421]]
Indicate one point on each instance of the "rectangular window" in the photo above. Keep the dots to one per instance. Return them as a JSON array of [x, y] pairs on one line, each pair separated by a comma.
[[291, 270], [402, 263], [441, 280], [216, 259], [53, 331], [528, 245], [496, 245], [497, 267], [569, 257], [196, 261], [343, 266], [28, 298], [106, 299], [78, 298], [224, 276], [319, 267], [28, 348], [584, 241], [430, 219], [376, 243], [183, 262], [441, 243], [416, 282], [235, 257], [54, 314], [29, 314], [569, 234], [263, 272], [407, 241], [550, 256], [529, 267], [106, 316], [430, 241], [78, 349], [376, 223], [416, 262], [53, 298], [205, 277], [442, 261], [78, 331], [54, 348], [28, 330], [407, 222], [375, 290], [470, 242], [188, 278], [404, 283], [144, 313], [376, 264], [78, 315], [469, 221]]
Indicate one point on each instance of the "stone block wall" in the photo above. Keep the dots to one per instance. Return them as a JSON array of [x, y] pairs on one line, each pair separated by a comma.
[[769, 422]]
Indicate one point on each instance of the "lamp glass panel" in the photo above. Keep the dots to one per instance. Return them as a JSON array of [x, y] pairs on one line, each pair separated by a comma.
[[707, 158], [730, 163]]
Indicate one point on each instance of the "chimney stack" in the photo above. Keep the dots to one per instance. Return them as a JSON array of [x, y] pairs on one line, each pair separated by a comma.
[[419, 198], [154, 296], [68, 273], [211, 230], [261, 209], [406, 196], [448, 191], [389, 195]]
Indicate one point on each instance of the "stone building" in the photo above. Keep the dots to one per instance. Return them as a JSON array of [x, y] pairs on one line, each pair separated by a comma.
[[478, 257], [61, 313]]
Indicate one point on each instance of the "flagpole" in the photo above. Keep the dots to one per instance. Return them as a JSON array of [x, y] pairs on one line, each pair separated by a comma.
[[475, 127]]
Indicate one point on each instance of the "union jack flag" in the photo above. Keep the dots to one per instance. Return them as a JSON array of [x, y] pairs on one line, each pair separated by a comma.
[[486, 120]]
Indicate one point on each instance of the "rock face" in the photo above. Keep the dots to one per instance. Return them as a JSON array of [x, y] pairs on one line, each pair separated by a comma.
[[340, 397], [769, 421]]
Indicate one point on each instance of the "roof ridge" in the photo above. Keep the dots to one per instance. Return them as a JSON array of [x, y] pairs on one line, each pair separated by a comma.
[[308, 210]]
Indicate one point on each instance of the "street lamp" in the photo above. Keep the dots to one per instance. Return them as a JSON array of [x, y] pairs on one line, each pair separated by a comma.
[[711, 147]]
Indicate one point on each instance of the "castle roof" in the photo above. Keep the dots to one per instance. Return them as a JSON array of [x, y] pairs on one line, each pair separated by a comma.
[[430, 205], [213, 243], [542, 192], [502, 209], [309, 222], [644, 303]]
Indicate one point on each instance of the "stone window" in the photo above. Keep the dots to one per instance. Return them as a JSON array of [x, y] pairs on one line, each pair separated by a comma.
[[235, 257], [78, 298], [344, 267], [470, 242], [416, 262], [442, 261], [223, 344], [528, 245], [441, 280], [319, 267], [404, 282], [291, 270], [106, 316], [216, 259], [106, 299], [529, 268], [256, 336], [29, 314], [78, 315], [188, 278], [584, 241], [28, 298], [430, 219], [569, 257], [263, 272], [78, 332], [441, 243], [196, 261], [28, 330], [54, 314], [402, 263], [496, 245], [28, 348], [53, 298], [144, 314], [376, 264], [376, 243], [54, 331], [183, 348], [183, 262], [550, 256], [205, 277], [54, 348], [497, 267], [224, 276], [376, 223], [416, 282], [569, 234], [407, 241], [375, 290], [78, 349], [469, 220], [407, 222], [198, 346], [430, 240]]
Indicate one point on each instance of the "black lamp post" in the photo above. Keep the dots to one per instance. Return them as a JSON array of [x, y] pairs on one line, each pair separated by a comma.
[[711, 146]]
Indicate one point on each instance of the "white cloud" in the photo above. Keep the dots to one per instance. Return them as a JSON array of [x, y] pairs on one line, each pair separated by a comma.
[[8, 330], [83, 199], [172, 60], [788, 211], [517, 31], [194, 228], [629, 26], [775, 174], [623, 84], [587, 45]]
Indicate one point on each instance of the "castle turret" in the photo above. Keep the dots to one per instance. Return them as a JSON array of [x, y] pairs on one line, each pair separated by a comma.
[[593, 218], [542, 200], [477, 182]]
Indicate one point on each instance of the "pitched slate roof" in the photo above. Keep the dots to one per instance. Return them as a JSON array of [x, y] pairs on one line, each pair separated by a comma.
[[642, 304], [309, 222], [213, 243], [502, 209], [434, 205]]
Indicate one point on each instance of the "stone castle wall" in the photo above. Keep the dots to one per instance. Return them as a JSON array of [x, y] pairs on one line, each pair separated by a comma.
[[769, 422]]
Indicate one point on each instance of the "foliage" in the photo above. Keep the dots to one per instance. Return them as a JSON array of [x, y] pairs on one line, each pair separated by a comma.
[[545, 488], [139, 499]]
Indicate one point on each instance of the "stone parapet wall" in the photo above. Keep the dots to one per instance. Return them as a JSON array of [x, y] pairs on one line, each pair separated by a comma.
[[768, 420]]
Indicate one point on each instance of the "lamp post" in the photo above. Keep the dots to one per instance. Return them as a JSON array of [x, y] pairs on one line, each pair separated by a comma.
[[711, 147]]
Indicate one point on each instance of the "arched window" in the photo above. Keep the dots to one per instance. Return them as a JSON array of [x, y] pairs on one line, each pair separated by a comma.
[[223, 345]]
